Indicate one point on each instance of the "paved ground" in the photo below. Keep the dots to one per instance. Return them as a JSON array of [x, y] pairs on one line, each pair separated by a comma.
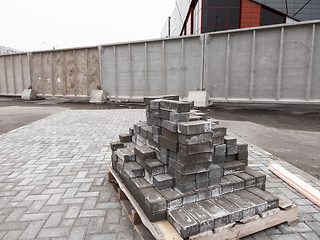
[[299, 148], [289, 131], [52, 178], [13, 117]]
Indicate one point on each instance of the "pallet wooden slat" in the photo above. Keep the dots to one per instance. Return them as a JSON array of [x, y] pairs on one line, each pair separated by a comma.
[[287, 212], [136, 206], [242, 230]]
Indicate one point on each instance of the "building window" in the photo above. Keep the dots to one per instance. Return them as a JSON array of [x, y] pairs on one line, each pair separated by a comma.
[[219, 15], [197, 18], [269, 17], [189, 25]]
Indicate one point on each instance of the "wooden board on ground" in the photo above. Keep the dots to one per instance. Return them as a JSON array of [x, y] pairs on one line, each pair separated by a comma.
[[163, 230], [159, 230], [241, 230], [301, 186]]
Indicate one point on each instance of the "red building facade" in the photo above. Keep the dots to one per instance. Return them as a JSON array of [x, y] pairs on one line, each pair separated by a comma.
[[218, 15]]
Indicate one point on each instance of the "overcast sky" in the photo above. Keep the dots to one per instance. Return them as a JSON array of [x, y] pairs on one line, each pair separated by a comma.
[[26, 24]]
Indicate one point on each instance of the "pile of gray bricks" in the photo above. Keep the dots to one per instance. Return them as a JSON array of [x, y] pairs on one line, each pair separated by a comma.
[[181, 167]]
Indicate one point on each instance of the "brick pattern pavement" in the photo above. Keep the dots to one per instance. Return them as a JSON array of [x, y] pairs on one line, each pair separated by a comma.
[[52, 181], [52, 178]]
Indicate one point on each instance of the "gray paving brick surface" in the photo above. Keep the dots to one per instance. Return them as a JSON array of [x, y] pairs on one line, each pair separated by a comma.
[[52, 181]]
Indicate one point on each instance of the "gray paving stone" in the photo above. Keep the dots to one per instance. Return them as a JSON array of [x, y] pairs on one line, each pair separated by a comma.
[[128, 236], [77, 233], [67, 169], [102, 237], [73, 212], [32, 230], [310, 236], [54, 220], [15, 214], [220, 216], [67, 222], [301, 227], [234, 212], [184, 224], [316, 216], [247, 238], [34, 217], [95, 226], [287, 237], [260, 236], [54, 232], [205, 220], [15, 234], [113, 216], [315, 226]]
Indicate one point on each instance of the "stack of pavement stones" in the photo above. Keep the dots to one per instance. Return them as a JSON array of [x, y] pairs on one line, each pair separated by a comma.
[[187, 170]]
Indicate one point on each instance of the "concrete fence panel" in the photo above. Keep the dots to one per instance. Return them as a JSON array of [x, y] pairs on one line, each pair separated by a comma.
[[14, 74], [217, 52], [168, 66], [314, 80], [240, 47], [276, 63], [296, 51], [264, 64], [71, 72]]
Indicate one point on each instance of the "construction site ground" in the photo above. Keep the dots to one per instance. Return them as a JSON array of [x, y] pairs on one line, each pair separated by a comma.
[[55, 155]]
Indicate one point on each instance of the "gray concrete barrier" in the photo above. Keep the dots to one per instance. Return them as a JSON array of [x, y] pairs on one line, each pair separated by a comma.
[[166, 66], [277, 63], [71, 72], [266, 64], [14, 74]]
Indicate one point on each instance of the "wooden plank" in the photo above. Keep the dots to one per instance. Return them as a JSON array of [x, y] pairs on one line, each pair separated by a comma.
[[127, 207], [284, 205], [167, 230], [143, 232], [110, 176], [135, 217], [301, 186], [121, 195], [136, 206], [242, 230], [131, 212], [287, 212]]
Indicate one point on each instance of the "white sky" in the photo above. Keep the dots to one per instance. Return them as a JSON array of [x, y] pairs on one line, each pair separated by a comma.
[[26, 24]]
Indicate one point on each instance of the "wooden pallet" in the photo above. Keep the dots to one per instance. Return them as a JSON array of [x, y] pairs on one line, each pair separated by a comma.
[[163, 230]]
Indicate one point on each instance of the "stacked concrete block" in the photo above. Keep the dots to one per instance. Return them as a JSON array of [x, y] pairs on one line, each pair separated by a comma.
[[260, 178], [163, 181], [242, 154], [220, 216], [272, 201], [137, 185], [218, 134], [125, 155], [195, 155], [173, 198], [204, 219], [184, 224], [180, 167], [153, 204]]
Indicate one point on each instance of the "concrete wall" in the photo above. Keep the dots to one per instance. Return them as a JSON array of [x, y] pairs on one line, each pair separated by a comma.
[[276, 63], [14, 74], [169, 66], [70, 72], [270, 64], [74, 72]]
